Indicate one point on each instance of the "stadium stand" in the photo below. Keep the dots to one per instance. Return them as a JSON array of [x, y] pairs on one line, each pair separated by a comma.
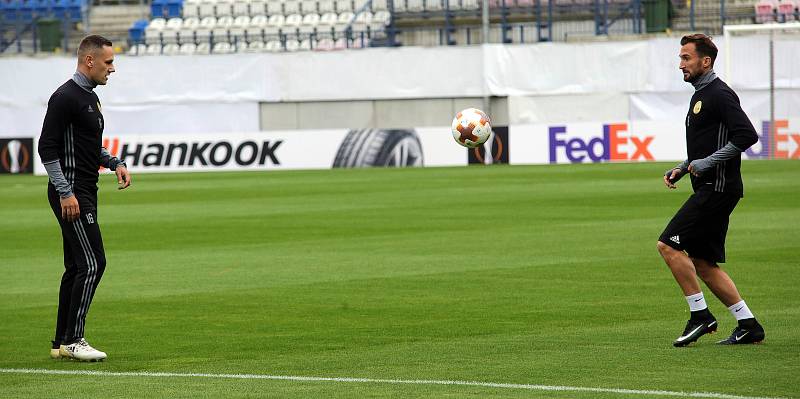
[[327, 25], [295, 24], [787, 11], [188, 48], [769, 11], [765, 11], [34, 25], [29, 10]]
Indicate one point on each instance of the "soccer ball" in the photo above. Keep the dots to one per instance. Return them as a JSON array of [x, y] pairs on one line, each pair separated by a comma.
[[471, 127]]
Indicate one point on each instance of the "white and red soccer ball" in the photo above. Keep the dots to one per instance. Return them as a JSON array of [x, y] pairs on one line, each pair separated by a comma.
[[471, 127]]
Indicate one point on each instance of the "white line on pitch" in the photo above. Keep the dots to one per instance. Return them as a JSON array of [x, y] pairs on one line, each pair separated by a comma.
[[383, 381]]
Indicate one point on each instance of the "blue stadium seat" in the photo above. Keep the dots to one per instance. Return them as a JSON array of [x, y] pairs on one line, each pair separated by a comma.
[[158, 9], [75, 9], [10, 9], [174, 8], [136, 32], [26, 10], [71, 10], [42, 8], [61, 8]]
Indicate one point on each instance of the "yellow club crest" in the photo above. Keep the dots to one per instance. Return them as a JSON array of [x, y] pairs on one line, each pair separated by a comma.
[[697, 106]]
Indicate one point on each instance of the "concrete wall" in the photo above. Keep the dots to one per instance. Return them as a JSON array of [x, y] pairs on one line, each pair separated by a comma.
[[385, 114]]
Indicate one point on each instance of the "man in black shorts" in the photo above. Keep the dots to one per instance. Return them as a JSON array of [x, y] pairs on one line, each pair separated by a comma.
[[692, 245], [71, 150]]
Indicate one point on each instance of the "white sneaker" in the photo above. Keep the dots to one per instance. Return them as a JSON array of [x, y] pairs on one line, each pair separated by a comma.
[[82, 351]]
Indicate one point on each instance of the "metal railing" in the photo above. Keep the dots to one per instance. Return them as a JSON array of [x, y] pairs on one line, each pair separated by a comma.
[[350, 38], [523, 21], [21, 28], [510, 21], [24, 37]]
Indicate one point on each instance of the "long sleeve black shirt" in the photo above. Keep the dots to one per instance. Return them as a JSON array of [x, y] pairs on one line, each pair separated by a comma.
[[716, 118], [72, 134]]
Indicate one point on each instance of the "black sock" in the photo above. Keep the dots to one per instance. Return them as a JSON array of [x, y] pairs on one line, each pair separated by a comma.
[[701, 314], [748, 323]]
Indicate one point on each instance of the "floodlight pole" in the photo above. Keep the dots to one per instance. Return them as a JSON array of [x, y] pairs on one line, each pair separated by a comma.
[[485, 30], [485, 21], [772, 145]]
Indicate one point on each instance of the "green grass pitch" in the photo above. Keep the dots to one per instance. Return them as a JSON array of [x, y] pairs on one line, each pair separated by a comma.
[[522, 275]]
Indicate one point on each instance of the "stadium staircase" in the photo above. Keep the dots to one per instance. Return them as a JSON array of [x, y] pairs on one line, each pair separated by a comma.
[[113, 21], [26, 24]]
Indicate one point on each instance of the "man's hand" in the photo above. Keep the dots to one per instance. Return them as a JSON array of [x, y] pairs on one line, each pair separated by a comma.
[[70, 211], [123, 177], [671, 177]]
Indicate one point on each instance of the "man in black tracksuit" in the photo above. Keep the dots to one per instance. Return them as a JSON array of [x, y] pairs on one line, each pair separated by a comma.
[[717, 132], [71, 150]]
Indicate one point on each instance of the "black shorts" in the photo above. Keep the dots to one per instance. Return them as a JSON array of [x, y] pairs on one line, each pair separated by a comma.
[[700, 226]]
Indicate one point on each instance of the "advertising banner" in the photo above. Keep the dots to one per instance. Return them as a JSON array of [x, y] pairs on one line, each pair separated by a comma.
[[618, 141], [16, 155], [294, 149], [553, 143], [782, 143], [635, 141]]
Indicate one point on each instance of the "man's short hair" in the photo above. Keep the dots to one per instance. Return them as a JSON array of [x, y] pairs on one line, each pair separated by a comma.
[[92, 43], [702, 44]]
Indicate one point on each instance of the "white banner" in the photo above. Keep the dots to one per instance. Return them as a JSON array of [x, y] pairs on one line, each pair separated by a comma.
[[569, 107], [235, 78], [393, 73], [557, 68], [619, 141], [399, 73], [750, 62], [145, 119], [633, 141], [21, 121], [181, 118], [665, 106], [146, 80], [297, 149], [576, 142]]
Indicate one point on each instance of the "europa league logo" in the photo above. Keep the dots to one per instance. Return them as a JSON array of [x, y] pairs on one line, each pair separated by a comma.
[[15, 156], [494, 150]]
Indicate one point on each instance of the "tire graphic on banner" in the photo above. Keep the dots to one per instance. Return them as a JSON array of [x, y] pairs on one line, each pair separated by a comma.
[[378, 147]]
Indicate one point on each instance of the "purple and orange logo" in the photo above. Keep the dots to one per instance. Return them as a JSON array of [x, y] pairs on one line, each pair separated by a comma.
[[775, 142], [608, 147]]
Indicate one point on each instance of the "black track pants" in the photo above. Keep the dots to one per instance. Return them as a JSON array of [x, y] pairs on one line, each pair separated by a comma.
[[84, 263]]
